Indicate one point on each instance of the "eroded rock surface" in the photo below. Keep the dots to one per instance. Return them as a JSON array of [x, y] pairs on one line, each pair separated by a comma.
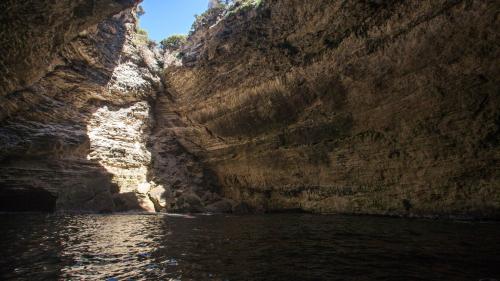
[[374, 107], [82, 134], [368, 107], [33, 32], [118, 142], [80, 131]]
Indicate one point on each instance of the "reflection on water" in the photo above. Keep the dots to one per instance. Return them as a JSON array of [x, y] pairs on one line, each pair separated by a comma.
[[272, 247]]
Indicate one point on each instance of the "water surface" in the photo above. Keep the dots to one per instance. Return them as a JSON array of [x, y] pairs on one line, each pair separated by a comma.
[[223, 247]]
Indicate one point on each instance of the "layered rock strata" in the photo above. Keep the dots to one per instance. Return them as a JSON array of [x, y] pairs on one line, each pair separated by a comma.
[[80, 138], [33, 32], [49, 136], [368, 107]]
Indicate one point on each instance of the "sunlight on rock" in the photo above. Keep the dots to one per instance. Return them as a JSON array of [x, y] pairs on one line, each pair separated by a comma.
[[128, 77], [118, 142]]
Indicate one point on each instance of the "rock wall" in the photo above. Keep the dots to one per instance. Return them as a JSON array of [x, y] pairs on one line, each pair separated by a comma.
[[64, 134], [32, 32], [118, 141], [366, 107], [76, 123], [369, 107]]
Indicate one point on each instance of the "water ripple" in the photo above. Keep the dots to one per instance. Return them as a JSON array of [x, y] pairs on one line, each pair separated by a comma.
[[273, 247]]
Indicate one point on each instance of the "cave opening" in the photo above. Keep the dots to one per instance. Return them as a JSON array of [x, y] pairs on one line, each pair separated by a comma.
[[27, 200]]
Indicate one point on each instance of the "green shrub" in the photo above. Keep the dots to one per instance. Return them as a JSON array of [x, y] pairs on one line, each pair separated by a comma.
[[140, 11], [152, 44], [141, 37], [243, 5], [208, 18], [222, 9], [173, 42], [142, 32]]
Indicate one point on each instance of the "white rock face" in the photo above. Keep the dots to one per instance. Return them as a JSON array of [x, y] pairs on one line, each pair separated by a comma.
[[128, 77], [119, 133], [118, 142], [171, 58]]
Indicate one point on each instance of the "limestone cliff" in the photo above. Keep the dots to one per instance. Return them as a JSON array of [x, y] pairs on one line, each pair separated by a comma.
[[32, 32], [45, 131], [372, 107], [78, 138], [367, 107]]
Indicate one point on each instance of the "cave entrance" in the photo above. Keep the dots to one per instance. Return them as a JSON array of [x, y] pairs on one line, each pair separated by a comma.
[[27, 200]]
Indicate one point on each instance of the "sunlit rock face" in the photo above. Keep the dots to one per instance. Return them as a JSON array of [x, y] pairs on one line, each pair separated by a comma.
[[82, 137], [118, 142], [49, 132]]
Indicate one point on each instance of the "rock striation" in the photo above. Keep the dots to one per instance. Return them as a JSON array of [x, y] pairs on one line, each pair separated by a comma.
[[367, 107], [364, 107], [79, 137], [50, 134], [32, 32]]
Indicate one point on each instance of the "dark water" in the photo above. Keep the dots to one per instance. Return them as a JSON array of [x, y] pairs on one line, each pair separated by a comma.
[[272, 247]]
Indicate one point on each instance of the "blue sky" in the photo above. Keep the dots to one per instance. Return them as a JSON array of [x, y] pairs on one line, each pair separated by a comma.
[[168, 17]]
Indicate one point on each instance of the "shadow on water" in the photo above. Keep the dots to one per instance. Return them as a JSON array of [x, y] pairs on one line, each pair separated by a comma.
[[270, 247]]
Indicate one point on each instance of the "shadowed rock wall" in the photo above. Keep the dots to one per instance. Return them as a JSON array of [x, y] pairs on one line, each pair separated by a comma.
[[373, 107], [32, 32]]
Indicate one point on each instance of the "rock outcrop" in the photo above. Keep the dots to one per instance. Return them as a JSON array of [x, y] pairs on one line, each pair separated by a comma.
[[80, 137], [366, 107], [33, 32], [52, 135], [369, 107]]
